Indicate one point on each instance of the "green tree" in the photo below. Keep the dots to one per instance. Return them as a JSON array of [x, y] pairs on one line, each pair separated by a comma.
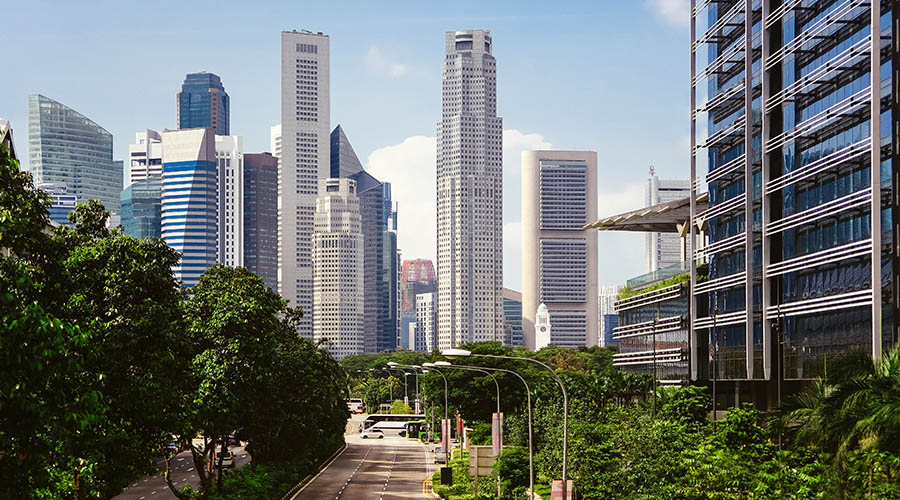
[[400, 408]]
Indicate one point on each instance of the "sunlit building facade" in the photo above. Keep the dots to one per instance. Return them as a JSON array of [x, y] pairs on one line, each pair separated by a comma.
[[800, 225]]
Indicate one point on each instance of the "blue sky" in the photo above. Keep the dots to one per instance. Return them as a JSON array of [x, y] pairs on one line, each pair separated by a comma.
[[601, 75]]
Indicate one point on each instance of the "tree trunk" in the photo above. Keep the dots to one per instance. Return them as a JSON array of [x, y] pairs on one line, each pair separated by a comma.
[[172, 487], [78, 485], [220, 473]]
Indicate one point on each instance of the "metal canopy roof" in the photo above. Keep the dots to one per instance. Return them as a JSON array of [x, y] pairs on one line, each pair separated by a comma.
[[668, 217]]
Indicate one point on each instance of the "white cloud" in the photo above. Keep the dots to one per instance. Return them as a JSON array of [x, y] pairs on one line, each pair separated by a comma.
[[378, 63], [621, 253], [676, 13], [410, 168]]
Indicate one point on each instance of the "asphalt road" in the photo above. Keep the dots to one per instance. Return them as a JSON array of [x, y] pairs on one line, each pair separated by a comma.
[[154, 487], [378, 469]]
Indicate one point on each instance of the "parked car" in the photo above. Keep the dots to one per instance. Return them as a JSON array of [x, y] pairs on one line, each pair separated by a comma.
[[440, 456], [227, 459], [172, 449], [372, 433]]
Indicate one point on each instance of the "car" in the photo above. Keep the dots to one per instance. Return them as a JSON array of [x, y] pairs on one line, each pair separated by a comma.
[[172, 449], [440, 456], [227, 459], [372, 433], [232, 441]]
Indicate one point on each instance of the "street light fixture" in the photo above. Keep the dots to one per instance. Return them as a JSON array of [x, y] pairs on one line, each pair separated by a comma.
[[450, 353], [528, 396]]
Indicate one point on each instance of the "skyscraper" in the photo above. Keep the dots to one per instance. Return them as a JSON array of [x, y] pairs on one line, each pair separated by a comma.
[[425, 322], [145, 155], [388, 337], [608, 294], [305, 151], [469, 194], [338, 269], [230, 165], [664, 249], [512, 317], [344, 161], [416, 277], [142, 208], [559, 257], [63, 202], [345, 164], [261, 216], [66, 147], [798, 148], [203, 102], [189, 200]]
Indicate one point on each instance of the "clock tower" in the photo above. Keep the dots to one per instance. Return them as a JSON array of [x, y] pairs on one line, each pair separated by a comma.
[[541, 327]]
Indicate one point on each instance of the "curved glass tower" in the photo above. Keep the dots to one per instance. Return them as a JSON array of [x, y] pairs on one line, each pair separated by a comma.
[[67, 148], [203, 102]]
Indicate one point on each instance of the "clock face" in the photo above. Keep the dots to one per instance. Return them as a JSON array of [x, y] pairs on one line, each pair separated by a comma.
[[543, 329]]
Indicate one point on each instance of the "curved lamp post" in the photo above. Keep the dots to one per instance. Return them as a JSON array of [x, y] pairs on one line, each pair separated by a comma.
[[462, 353], [528, 395]]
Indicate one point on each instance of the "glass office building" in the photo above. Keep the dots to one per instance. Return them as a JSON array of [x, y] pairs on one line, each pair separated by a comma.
[[62, 205], [261, 216], [203, 102], [67, 148], [142, 208], [800, 224]]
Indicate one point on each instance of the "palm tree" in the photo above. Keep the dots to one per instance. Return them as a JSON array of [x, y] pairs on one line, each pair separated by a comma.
[[857, 406]]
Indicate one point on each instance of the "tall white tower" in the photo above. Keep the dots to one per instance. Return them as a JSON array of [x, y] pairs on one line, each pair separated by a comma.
[[559, 257], [338, 269], [230, 165], [664, 249], [541, 327], [469, 194], [305, 159]]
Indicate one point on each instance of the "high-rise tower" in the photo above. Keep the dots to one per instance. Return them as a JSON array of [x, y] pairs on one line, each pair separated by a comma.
[[203, 102], [338, 269], [305, 145], [664, 249], [469, 194], [559, 257], [67, 148]]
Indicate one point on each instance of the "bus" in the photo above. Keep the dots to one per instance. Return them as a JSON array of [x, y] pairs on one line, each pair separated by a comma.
[[390, 420], [356, 405]]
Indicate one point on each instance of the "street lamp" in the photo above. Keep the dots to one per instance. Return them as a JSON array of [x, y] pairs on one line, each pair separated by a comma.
[[437, 365], [416, 369], [450, 353], [528, 396]]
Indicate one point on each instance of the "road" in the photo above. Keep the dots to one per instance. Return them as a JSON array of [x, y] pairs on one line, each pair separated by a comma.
[[378, 469], [154, 487]]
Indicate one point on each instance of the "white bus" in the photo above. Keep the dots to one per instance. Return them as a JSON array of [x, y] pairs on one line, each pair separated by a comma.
[[356, 405]]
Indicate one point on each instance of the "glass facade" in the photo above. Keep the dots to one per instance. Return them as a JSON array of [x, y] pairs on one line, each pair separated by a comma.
[[63, 202], [261, 216], [512, 317], [203, 102], [142, 208], [799, 223], [67, 148], [651, 331]]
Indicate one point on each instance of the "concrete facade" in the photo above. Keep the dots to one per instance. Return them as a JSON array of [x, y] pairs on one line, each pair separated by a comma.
[[338, 285], [559, 257], [469, 194], [230, 164], [305, 159]]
